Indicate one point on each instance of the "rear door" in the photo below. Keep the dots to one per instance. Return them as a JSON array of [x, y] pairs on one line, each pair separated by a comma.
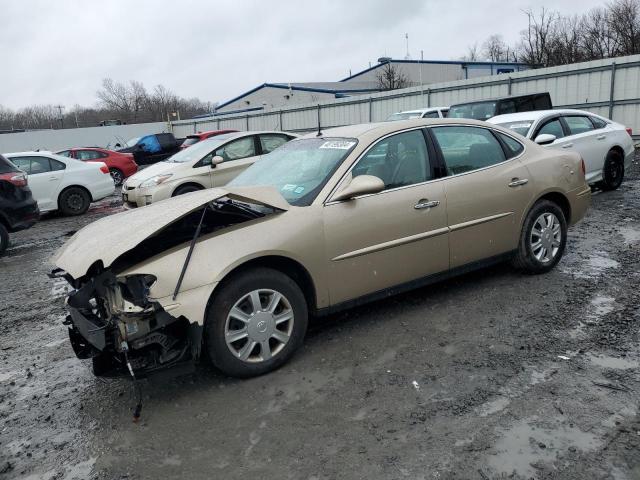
[[44, 179], [238, 155], [583, 139], [487, 191]]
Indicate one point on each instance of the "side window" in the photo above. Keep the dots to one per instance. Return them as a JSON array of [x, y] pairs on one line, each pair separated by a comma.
[[23, 163], [269, 143], [431, 115], [514, 147], [238, 149], [445, 112], [524, 104], [578, 125], [39, 165], [398, 160], [507, 106], [552, 127], [65, 153], [88, 155], [468, 148], [598, 122], [204, 161], [56, 165]]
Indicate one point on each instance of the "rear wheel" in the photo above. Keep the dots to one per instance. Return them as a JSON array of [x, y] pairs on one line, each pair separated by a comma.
[[255, 323], [117, 175], [185, 189], [613, 171], [543, 238], [4, 238], [74, 201]]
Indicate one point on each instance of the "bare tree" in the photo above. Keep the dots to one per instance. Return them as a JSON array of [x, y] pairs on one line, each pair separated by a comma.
[[624, 21], [536, 38], [472, 54], [495, 50], [391, 78]]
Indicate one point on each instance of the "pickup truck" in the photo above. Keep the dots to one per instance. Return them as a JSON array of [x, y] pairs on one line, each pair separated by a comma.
[[152, 148]]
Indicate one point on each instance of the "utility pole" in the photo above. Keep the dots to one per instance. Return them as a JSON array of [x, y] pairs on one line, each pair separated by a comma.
[[421, 89], [407, 57], [60, 107]]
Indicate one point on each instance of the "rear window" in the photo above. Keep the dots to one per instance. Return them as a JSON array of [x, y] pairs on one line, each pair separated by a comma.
[[477, 111], [6, 166], [190, 141], [521, 126]]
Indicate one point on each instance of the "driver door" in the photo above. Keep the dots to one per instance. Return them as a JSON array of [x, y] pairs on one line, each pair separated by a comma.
[[238, 155], [378, 241]]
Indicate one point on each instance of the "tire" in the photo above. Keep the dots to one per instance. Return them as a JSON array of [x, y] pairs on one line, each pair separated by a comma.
[[74, 201], [531, 256], [612, 172], [4, 239], [282, 339], [117, 175], [185, 189]]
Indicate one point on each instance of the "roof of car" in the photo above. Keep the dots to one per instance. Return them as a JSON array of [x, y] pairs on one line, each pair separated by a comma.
[[535, 115], [382, 128], [424, 110], [41, 153]]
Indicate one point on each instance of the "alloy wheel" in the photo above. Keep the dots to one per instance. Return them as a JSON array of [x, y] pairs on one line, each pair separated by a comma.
[[259, 325], [546, 237]]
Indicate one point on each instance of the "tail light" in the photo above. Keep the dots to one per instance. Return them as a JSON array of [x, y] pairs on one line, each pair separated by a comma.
[[583, 167], [104, 169], [629, 131], [19, 179]]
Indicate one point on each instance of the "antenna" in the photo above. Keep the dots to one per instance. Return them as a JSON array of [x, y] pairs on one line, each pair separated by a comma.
[[407, 57]]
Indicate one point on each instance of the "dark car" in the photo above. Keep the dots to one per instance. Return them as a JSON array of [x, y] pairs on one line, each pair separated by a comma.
[[152, 148], [485, 109], [18, 209]]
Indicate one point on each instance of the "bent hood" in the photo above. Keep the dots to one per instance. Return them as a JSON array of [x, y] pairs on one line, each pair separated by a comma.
[[110, 237]]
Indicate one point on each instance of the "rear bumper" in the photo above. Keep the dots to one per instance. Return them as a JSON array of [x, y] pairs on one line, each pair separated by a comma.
[[580, 200], [24, 216], [103, 189]]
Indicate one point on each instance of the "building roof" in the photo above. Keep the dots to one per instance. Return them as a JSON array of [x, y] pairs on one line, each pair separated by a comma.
[[431, 62]]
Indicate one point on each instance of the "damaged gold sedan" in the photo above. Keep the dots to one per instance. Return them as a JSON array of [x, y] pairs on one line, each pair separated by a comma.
[[326, 221]]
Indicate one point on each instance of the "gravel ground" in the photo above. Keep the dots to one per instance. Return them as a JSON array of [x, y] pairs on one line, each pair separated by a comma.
[[491, 375]]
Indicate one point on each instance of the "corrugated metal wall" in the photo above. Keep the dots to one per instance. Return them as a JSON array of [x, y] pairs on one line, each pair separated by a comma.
[[584, 85], [608, 87]]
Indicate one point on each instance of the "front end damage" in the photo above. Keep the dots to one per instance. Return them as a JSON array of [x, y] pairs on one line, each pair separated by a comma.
[[113, 319], [113, 322]]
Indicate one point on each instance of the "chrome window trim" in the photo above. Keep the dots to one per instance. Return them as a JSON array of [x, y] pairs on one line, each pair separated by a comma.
[[327, 202]]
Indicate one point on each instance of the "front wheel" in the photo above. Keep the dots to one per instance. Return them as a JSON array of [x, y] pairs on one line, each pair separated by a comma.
[[613, 171], [255, 323], [185, 189], [543, 238]]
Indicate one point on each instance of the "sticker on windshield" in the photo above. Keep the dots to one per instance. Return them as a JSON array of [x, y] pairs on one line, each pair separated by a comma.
[[338, 144], [299, 190], [288, 187], [515, 126]]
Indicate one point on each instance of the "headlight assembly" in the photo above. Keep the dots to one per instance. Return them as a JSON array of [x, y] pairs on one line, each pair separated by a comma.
[[157, 180]]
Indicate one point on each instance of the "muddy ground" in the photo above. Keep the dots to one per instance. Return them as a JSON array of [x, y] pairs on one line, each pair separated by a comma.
[[492, 375]]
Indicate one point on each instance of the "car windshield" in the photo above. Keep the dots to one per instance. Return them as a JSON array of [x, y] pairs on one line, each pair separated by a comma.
[[477, 111], [199, 150], [522, 126], [402, 116], [132, 142], [190, 141], [299, 169]]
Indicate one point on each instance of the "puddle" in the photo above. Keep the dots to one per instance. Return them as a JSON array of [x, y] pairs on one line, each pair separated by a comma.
[[494, 406], [629, 235], [603, 305], [618, 363], [595, 266], [523, 445]]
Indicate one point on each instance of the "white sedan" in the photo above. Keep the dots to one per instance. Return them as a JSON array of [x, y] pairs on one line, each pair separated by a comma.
[[62, 183], [431, 112], [606, 146]]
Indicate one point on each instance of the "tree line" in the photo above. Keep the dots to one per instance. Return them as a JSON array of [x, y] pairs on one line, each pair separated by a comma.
[[126, 102], [553, 39]]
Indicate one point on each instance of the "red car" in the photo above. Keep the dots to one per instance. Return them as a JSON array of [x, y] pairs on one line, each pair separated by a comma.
[[198, 137], [121, 165]]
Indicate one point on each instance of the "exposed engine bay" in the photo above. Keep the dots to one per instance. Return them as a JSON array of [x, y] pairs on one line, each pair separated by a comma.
[[113, 320]]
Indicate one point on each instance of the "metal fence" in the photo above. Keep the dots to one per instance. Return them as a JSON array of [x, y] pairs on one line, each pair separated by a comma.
[[609, 87]]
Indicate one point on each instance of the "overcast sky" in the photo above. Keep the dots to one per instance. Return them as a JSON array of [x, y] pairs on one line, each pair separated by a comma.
[[59, 51]]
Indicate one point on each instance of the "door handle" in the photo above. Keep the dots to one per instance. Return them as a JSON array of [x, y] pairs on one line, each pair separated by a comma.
[[601, 137], [567, 145], [424, 203], [516, 182], [51, 179]]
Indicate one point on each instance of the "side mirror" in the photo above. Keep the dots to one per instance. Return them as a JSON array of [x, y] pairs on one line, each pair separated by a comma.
[[215, 160], [360, 185], [545, 139]]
